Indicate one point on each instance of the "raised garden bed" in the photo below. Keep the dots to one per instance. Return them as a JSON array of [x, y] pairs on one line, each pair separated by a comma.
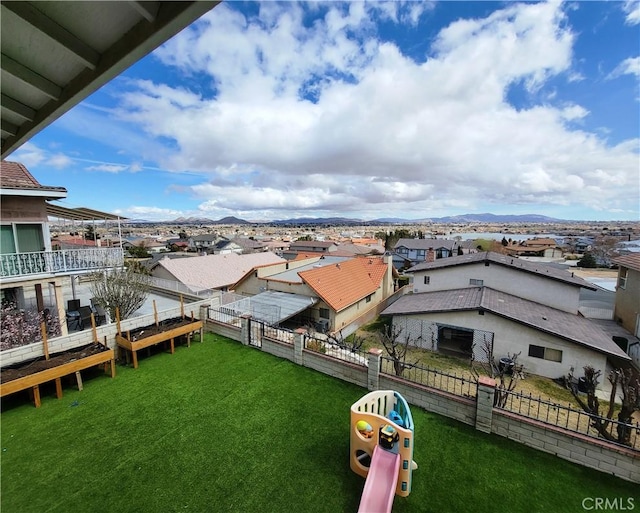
[[167, 330], [29, 376]]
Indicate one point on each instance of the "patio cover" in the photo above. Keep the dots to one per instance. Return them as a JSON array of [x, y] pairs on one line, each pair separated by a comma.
[[80, 214], [271, 306], [56, 53]]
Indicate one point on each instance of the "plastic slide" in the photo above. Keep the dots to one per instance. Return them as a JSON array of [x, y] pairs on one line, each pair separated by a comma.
[[380, 486]]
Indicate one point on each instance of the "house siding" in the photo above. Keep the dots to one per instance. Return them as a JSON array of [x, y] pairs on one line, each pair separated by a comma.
[[627, 305], [512, 337], [512, 281]]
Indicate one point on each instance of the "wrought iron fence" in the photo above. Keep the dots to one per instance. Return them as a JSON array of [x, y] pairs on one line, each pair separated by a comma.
[[572, 419], [461, 385], [341, 352], [225, 316], [67, 260], [279, 334]]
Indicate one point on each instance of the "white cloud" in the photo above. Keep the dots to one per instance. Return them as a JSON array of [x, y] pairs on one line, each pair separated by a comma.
[[150, 213], [107, 168], [329, 117], [630, 66], [632, 12]]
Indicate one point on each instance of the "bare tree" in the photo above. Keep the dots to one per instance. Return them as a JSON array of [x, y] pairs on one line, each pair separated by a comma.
[[507, 376], [629, 386], [122, 289], [353, 342], [396, 343]]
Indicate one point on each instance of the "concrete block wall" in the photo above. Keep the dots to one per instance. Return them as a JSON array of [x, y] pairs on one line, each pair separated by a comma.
[[574, 447], [224, 330], [277, 348], [346, 371], [443, 403]]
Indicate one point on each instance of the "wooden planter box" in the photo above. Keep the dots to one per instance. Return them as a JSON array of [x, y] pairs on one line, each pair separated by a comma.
[[33, 381], [134, 346]]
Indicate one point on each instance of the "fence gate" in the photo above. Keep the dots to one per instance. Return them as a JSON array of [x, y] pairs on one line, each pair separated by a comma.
[[256, 332]]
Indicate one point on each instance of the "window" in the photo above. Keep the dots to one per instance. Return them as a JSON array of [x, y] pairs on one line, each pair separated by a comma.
[[21, 238], [545, 353], [369, 298], [622, 278], [427, 280], [476, 283], [324, 313], [420, 253], [402, 250]]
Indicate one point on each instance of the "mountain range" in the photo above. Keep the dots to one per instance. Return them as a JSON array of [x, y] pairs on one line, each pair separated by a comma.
[[337, 221]]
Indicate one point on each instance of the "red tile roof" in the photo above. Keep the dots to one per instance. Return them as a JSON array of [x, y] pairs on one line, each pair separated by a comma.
[[14, 175], [631, 261], [345, 283]]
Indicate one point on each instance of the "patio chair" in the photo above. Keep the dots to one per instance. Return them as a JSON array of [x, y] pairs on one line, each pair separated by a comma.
[[99, 312], [74, 322], [85, 316]]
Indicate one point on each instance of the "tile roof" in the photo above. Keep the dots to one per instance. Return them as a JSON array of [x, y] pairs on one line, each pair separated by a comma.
[[14, 175], [216, 271], [538, 268], [312, 244], [631, 261], [292, 275], [574, 328], [345, 283]]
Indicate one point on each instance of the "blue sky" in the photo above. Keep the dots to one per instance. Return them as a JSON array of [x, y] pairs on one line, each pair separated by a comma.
[[277, 110]]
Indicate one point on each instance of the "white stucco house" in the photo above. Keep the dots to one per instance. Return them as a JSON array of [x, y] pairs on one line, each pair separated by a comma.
[[462, 304]]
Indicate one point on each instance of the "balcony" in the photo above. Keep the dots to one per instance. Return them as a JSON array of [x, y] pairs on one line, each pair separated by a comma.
[[16, 266]]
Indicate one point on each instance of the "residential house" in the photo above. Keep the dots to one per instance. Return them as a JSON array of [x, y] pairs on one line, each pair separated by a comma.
[[204, 242], [319, 247], [410, 252], [33, 276], [627, 303], [343, 288], [536, 247], [503, 305], [225, 247], [250, 245], [628, 246], [205, 272]]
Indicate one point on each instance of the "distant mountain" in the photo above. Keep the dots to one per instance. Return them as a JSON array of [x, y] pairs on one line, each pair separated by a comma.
[[231, 220], [204, 220], [319, 220], [493, 218], [486, 218]]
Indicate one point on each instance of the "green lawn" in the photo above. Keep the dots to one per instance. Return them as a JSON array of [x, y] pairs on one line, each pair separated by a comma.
[[219, 427]]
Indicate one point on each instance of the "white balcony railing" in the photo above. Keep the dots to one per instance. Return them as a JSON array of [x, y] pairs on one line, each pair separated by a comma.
[[59, 262]]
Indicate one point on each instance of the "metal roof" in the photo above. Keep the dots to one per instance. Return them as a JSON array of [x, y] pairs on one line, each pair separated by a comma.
[[56, 53], [271, 306], [80, 214]]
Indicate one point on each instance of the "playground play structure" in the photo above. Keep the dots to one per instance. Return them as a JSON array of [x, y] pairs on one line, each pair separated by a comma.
[[382, 448]]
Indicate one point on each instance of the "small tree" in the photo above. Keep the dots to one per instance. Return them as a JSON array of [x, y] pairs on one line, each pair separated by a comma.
[[622, 379], [352, 343], [587, 261], [396, 343], [122, 289], [506, 376]]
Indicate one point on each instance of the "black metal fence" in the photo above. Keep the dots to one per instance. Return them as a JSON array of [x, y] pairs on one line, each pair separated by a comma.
[[572, 419], [457, 384]]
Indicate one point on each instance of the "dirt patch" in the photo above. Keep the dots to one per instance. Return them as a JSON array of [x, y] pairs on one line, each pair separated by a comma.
[[152, 329], [595, 273], [35, 366]]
